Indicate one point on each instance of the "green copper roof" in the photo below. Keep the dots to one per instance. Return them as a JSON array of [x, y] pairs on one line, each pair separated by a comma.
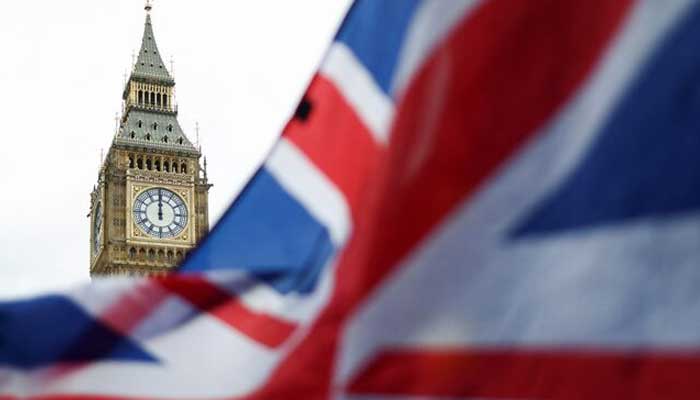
[[152, 129], [148, 125], [149, 65]]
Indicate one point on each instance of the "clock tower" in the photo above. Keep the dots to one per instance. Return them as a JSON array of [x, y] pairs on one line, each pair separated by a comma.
[[150, 204]]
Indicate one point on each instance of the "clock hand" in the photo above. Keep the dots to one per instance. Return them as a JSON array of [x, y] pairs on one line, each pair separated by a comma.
[[160, 204]]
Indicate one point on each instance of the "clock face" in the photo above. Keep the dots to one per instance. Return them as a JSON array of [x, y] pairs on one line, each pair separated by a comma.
[[160, 213], [97, 228]]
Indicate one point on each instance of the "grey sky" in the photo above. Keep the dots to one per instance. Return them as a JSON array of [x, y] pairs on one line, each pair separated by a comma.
[[240, 68]]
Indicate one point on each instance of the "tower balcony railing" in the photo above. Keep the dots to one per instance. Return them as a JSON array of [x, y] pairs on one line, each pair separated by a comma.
[[185, 147], [154, 107]]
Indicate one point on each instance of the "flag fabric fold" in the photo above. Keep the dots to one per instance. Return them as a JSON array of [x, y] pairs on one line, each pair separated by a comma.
[[474, 199]]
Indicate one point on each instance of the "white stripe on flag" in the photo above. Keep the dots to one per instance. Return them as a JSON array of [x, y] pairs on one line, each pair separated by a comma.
[[355, 83], [312, 188]]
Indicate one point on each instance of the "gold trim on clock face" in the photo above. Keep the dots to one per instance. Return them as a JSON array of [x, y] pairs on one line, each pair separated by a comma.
[[160, 213]]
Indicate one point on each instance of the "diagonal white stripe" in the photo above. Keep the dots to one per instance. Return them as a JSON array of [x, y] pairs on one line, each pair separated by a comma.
[[310, 186], [355, 83]]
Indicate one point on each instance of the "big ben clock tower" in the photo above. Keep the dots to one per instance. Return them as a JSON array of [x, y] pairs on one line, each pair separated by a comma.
[[150, 204]]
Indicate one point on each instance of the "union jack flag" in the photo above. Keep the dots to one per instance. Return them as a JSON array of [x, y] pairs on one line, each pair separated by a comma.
[[475, 199]]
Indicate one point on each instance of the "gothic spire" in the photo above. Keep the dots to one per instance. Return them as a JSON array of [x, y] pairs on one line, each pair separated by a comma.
[[149, 64]]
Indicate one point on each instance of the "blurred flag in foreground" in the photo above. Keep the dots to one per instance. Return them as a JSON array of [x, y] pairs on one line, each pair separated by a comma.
[[474, 199]]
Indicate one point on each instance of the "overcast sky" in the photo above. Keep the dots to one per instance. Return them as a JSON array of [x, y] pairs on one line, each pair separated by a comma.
[[240, 68]]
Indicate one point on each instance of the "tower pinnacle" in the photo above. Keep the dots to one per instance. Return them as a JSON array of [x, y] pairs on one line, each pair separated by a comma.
[[149, 6]]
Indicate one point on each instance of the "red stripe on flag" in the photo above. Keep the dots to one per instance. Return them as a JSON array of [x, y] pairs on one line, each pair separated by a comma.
[[336, 140], [529, 374], [500, 76], [207, 297], [134, 307]]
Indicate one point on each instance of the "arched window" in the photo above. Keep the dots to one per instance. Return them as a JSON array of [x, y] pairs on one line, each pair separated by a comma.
[[183, 168], [165, 101], [165, 139], [157, 165], [132, 253], [140, 124], [166, 166], [140, 97], [131, 161], [151, 254], [179, 255], [139, 163], [161, 255], [158, 99], [148, 136], [149, 164], [155, 126], [175, 167], [171, 256], [179, 141], [142, 254], [153, 98], [170, 128], [133, 135]]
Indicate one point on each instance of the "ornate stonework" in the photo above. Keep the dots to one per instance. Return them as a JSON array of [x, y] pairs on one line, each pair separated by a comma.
[[150, 204]]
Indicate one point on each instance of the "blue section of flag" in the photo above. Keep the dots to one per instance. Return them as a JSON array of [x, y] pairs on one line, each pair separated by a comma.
[[375, 31], [53, 329], [646, 162], [268, 233]]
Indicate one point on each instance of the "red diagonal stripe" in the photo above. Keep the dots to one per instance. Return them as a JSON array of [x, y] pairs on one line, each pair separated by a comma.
[[336, 141], [530, 374], [207, 297]]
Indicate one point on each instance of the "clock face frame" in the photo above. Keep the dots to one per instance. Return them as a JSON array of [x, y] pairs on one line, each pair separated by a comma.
[[97, 228], [160, 213]]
